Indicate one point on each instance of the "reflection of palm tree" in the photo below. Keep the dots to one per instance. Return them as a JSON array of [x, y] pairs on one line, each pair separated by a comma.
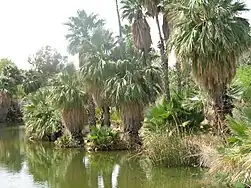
[[47, 164], [10, 155]]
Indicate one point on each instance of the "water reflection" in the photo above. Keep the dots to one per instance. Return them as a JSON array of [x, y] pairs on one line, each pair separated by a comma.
[[39, 165]]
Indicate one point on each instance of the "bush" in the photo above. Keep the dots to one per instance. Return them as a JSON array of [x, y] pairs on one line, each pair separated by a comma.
[[103, 138], [169, 150], [67, 141], [42, 121], [233, 164], [176, 115]]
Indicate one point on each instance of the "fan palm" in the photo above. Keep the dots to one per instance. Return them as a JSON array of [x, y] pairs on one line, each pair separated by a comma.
[[93, 57], [131, 87], [81, 27], [211, 36], [67, 95], [133, 11]]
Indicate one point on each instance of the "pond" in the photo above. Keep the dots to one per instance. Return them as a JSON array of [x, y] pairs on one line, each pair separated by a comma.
[[38, 165]]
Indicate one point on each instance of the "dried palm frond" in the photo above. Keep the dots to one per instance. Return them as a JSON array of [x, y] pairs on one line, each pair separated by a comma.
[[141, 34]]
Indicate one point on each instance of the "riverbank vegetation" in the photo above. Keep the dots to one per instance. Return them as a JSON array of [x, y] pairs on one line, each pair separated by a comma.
[[125, 94]]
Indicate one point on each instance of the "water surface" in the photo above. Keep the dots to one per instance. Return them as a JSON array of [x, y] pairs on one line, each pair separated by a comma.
[[38, 165]]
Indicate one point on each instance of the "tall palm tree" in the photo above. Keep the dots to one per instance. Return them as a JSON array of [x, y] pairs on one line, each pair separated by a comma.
[[131, 87], [93, 60], [133, 11], [80, 29], [210, 36], [67, 95], [119, 21]]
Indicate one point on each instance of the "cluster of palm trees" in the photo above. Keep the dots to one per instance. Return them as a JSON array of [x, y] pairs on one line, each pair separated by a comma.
[[126, 72]]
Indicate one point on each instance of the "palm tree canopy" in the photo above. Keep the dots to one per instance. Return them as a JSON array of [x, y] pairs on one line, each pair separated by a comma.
[[133, 82], [67, 91], [81, 27], [133, 11], [211, 35]]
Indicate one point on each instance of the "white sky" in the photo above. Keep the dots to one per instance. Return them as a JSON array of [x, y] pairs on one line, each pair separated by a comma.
[[27, 25]]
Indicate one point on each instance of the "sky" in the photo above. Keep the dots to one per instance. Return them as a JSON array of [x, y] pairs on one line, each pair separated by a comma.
[[27, 25]]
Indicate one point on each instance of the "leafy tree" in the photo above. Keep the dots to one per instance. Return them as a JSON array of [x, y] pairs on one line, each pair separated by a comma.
[[211, 36], [5, 62], [48, 61]]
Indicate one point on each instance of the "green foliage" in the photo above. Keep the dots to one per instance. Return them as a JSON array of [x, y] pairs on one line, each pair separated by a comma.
[[67, 91], [10, 78], [42, 120], [67, 141], [80, 28], [133, 81], [47, 61], [243, 80], [168, 150], [102, 138], [233, 164], [4, 62], [175, 115]]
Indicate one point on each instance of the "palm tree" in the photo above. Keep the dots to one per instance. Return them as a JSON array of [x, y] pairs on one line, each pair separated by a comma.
[[93, 60], [67, 95], [133, 11], [80, 29], [131, 87], [119, 21], [211, 36]]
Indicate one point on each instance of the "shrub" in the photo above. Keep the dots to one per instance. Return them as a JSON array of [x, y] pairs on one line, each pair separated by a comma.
[[103, 138], [232, 167], [169, 150], [67, 141], [177, 114], [42, 121]]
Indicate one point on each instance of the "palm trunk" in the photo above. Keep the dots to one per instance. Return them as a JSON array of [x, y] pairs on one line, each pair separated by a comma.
[[219, 124], [5, 104], [105, 119], [164, 59], [132, 118], [91, 112], [179, 75], [74, 120], [119, 21]]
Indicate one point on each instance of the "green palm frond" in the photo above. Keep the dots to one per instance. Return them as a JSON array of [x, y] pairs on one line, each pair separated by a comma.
[[131, 81], [81, 27], [211, 36], [67, 91]]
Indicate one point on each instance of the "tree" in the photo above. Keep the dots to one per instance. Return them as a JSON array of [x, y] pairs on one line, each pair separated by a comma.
[[67, 95], [5, 62], [211, 36], [131, 86], [134, 12], [93, 60], [48, 61], [80, 28], [119, 21]]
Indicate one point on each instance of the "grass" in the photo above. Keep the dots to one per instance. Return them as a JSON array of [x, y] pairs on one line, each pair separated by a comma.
[[172, 150]]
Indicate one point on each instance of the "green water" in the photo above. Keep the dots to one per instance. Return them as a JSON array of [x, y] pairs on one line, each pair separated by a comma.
[[36, 165]]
